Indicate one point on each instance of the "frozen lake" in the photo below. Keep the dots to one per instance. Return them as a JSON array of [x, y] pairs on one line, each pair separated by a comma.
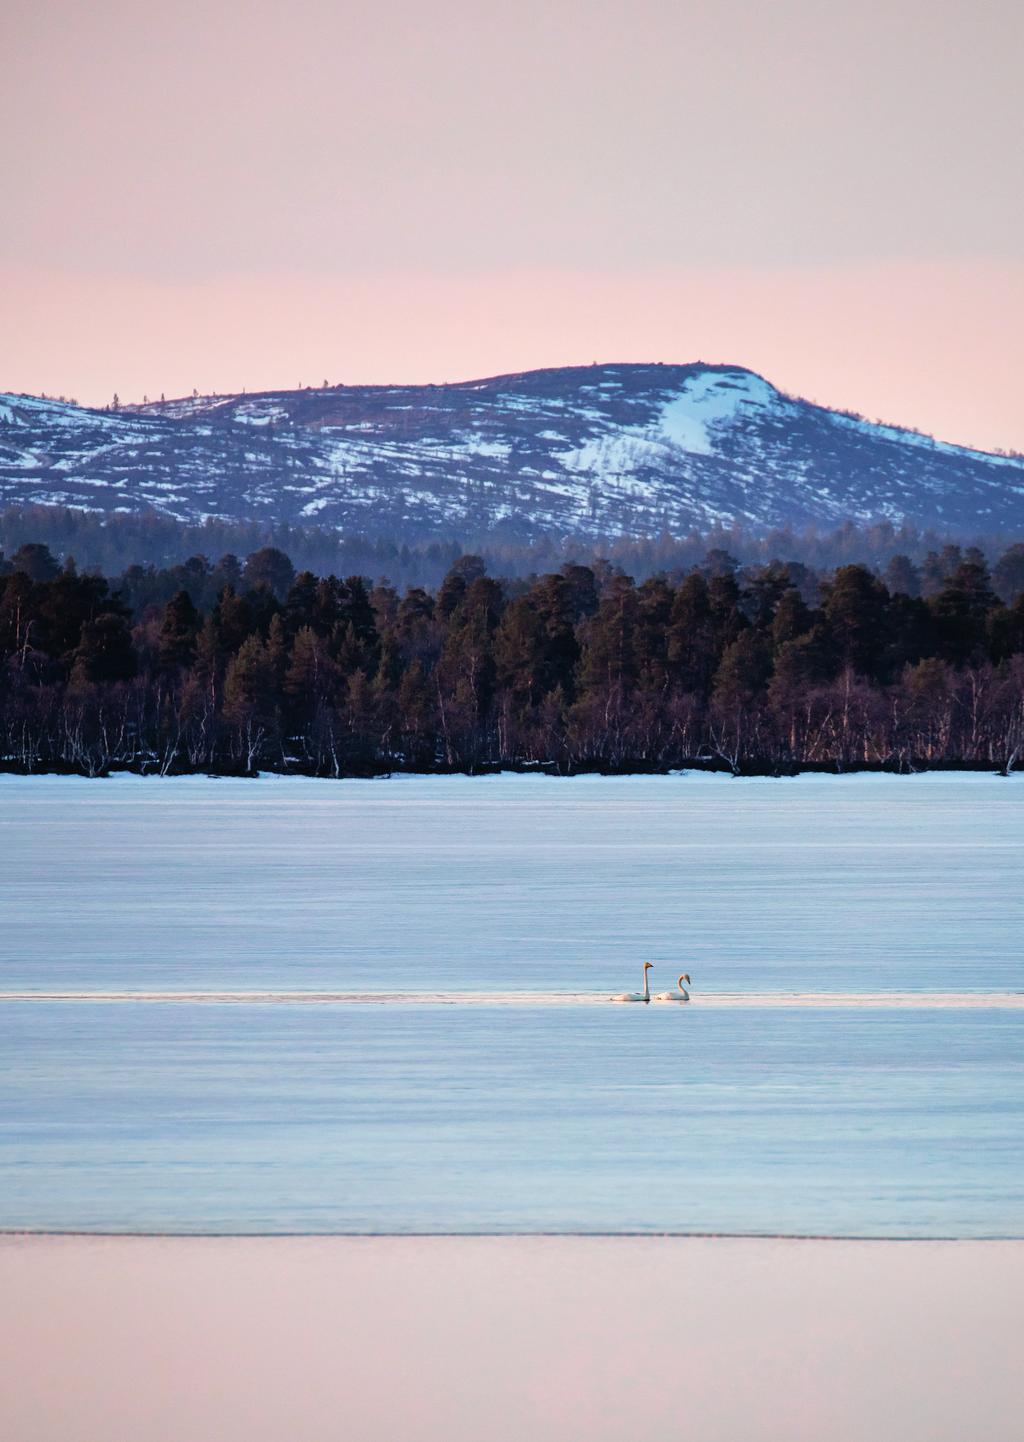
[[510, 883], [490, 1099]]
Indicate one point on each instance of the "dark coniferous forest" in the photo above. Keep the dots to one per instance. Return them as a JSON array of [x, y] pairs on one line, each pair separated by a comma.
[[772, 667]]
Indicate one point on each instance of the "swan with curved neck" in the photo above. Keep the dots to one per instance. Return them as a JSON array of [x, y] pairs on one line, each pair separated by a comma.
[[681, 995], [644, 995]]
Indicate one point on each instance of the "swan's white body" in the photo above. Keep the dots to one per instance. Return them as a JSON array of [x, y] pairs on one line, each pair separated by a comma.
[[681, 995], [644, 995]]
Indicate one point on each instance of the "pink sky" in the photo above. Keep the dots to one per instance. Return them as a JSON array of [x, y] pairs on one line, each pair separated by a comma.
[[555, 1339], [221, 197]]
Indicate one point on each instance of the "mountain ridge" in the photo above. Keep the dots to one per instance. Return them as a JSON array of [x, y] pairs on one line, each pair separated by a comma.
[[615, 449]]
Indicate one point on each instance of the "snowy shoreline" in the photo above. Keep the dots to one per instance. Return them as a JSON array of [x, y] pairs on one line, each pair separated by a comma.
[[694, 775]]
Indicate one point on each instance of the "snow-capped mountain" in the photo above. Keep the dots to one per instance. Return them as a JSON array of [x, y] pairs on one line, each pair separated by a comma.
[[598, 450]]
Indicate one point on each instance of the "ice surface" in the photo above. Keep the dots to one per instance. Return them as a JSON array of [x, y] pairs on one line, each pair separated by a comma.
[[388, 1005], [331, 1118], [860, 883]]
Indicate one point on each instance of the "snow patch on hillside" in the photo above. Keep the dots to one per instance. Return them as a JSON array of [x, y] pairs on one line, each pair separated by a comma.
[[618, 453], [256, 413], [708, 400], [877, 431], [60, 415]]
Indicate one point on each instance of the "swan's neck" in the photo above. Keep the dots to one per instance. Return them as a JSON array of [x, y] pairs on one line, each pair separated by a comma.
[[647, 985], [682, 988]]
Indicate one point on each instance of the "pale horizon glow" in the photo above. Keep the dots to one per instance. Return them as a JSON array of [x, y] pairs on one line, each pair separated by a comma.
[[807, 331], [227, 199], [431, 1339]]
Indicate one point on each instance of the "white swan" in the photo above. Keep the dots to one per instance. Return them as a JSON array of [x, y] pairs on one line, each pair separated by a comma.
[[681, 995], [644, 995]]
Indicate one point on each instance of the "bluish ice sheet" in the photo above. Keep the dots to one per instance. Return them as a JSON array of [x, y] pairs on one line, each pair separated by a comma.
[[504, 1115]]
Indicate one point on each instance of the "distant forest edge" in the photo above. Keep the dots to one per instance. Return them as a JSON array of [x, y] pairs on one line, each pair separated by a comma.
[[112, 543], [761, 666]]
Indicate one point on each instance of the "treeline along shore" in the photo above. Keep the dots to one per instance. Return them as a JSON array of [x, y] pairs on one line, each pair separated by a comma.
[[233, 668]]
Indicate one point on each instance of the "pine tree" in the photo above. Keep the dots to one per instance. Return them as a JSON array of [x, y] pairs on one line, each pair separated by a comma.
[[854, 606], [105, 652], [176, 646], [249, 685], [269, 568], [690, 638], [1008, 574]]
